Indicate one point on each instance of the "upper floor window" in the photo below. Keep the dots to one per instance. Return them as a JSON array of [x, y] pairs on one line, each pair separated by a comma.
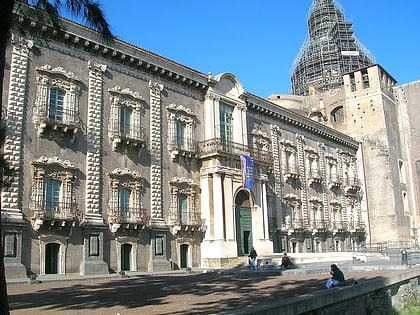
[[52, 195], [125, 121], [312, 165], [289, 160], [337, 115], [352, 82], [57, 100], [365, 79], [181, 122], [226, 122], [261, 146], [125, 126], [125, 199], [349, 169], [333, 178], [56, 108]]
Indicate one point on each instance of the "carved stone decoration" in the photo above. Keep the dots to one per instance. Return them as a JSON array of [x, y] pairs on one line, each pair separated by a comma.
[[17, 110], [94, 145], [128, 103], [189, 219], [181, 123], [62, 210], [135, 216], [45, 114], [156, 152]]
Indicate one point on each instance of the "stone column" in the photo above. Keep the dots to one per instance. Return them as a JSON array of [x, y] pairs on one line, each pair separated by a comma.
[[93, 222], [11, 212]]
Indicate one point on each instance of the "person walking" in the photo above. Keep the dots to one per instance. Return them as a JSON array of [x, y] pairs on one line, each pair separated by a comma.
[[253, 256]]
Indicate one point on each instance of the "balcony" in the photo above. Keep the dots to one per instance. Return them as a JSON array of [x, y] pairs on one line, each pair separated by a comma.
[[314, 177], [218, 146], [334, 182], [52, 211], [291, 173], [181, 146], [351, 185], [126, 135], [64, 120], [357, 227], [296, 224], [128, 217], [318, 225], [186, 222], [339, 225]]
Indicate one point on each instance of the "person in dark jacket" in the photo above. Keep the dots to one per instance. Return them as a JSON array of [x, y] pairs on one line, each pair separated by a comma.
[[253, 257], [337, 277], [285, 261]]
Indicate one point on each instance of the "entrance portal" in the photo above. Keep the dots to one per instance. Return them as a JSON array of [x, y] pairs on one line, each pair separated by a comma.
[[184, 255], [243, 223], [52, 258], [126, 257]]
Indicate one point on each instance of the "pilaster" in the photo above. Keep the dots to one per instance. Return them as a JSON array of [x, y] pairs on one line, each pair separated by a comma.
[[322, 170], [93, 222], [92, 215], [16, 108], [301, 165], [156, 153], [158, 256], [12, 220], [275, 132]]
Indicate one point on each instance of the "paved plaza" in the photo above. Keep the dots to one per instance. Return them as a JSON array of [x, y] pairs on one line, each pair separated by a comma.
[[174, 293]]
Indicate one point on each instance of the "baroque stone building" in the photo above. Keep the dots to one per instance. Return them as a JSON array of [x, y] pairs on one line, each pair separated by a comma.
[[129, 161]]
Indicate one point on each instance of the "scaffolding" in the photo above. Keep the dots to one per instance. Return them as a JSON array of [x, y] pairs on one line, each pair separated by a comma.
[[330, 49]]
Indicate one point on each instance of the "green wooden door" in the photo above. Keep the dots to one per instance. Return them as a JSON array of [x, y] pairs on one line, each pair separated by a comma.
[[243, 230]]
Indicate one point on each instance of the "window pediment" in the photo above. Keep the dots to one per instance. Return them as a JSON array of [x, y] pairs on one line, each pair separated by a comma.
[[125, 128], [52, 197], [181, 123], [49, 71], [57, 100]]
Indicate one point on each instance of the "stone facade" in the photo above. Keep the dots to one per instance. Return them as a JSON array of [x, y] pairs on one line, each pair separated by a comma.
[[129, 161]]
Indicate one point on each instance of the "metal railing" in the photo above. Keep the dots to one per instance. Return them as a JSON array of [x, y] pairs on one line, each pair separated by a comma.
[[129, 215], [54, 210], [222, 146]]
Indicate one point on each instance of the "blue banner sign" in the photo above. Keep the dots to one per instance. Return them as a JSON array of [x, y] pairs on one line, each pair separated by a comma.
[[247, 167]]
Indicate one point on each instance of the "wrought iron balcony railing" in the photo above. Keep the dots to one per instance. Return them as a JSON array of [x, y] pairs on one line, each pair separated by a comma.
[[339, 225], [294, 224], [48, 210], [221, 146], [182, 144], [61, 116], [187, 219], [126, 131], [132, 215]]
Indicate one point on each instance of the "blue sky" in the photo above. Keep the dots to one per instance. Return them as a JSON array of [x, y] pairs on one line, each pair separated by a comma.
[[258, 41]]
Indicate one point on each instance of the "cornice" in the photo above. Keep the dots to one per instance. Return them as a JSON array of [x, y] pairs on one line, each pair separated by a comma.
[[118, 51], [266, 108]]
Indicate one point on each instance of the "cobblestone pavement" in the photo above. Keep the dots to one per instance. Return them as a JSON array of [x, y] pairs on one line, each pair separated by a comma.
[[203, 293]]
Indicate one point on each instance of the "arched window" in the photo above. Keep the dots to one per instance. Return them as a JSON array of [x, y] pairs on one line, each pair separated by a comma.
[[337, 115]]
